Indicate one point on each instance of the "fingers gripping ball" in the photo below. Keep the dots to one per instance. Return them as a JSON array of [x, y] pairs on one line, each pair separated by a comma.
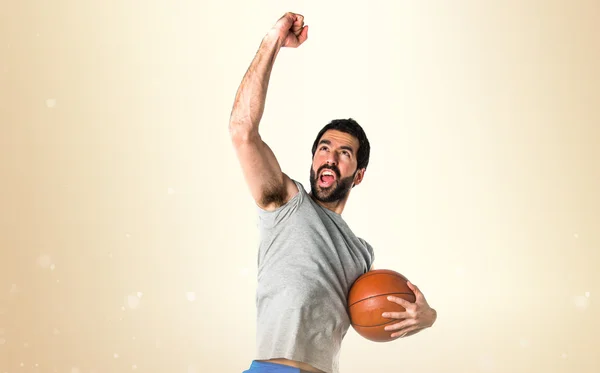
[[367, 300]]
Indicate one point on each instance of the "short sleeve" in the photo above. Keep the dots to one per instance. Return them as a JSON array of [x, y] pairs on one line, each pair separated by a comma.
[[269, 219], [371, 253]]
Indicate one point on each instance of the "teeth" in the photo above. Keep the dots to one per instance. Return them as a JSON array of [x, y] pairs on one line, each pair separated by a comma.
[[327, 173]]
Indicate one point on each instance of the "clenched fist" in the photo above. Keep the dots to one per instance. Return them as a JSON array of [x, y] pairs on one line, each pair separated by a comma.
[[291, 29]]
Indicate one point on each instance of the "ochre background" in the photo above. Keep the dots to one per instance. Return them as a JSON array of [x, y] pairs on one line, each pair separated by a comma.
[[128, 237]]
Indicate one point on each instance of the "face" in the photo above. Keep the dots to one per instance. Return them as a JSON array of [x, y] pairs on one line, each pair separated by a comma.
[[334, 168]]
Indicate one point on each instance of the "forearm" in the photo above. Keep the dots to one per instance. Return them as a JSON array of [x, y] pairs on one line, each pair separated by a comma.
[[250, 98]]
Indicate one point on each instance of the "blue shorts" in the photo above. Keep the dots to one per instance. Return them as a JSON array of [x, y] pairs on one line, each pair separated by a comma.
[[266, 367]]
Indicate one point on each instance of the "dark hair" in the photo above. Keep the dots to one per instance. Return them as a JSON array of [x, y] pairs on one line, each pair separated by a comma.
[[351, 127]]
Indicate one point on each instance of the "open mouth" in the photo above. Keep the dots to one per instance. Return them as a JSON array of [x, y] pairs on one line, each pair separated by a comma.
[[327, 178]]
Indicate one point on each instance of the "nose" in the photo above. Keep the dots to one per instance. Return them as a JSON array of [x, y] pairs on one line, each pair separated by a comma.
[[332, 159]]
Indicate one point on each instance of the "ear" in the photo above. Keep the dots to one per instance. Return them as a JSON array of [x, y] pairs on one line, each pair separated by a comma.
[[360, 174]]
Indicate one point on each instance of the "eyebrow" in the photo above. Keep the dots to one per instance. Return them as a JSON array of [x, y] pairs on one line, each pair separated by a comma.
[[346, 147]]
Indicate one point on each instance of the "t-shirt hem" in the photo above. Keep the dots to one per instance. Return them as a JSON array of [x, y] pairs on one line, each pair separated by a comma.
[[324, 368]]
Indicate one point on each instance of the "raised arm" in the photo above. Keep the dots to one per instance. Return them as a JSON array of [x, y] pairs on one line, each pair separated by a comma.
[[269, 186]]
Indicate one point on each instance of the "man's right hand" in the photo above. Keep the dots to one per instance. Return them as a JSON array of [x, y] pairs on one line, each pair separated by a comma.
[[291, 30]]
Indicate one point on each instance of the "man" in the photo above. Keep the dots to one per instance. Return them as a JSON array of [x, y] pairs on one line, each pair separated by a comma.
[[308, 257]]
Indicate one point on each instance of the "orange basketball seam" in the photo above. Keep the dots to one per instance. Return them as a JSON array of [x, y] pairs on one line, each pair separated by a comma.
[[374, 326], [378, 295], [372, 273]]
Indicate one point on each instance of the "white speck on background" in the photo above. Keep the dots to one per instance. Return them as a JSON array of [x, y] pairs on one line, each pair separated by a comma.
[[459, 271], [116, 356], [170, 191], [123, 308], [191, 296], [52, 267], [2, 341], [191, 369], [22, 364], [56, 331], [133, 367], [139, 294], [14, 289], [44, 261], [26, 345], [524, 343], [581, 302], [133, 301], [587, 294], [564, 355], [576, 235], [51, 103], [110, 255], [127, 235], [74, 370]]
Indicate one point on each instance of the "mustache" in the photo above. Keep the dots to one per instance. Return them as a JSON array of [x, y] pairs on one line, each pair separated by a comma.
[[332, 168]]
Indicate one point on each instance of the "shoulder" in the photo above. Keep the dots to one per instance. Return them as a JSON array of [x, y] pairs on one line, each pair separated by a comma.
[[369, 248], [281, 212], [278, 194]]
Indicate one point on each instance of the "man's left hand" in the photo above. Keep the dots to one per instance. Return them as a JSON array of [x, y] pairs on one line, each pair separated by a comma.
[[416, 317]]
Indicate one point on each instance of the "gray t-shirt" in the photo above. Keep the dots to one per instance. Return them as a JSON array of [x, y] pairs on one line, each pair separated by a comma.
[[308, 259]]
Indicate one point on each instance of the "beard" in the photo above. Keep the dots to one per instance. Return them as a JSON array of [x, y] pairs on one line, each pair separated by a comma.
[[336, 191]]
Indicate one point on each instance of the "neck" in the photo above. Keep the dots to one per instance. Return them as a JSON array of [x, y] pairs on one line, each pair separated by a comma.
[[336, 206]]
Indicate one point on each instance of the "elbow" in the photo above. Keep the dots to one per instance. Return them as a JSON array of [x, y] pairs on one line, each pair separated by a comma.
[[241, 133]]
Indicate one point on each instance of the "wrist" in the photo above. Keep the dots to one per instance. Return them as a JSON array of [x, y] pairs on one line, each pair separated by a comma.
[[273, 38]]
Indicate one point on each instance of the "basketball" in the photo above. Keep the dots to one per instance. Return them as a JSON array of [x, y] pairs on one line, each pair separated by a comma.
[[367, 300]]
